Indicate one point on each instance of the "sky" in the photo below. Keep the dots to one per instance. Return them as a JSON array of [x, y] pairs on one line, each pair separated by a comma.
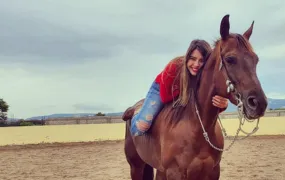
[[70, 56]]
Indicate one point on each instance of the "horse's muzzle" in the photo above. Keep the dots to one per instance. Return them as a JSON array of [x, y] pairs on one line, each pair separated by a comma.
[[255, 105]]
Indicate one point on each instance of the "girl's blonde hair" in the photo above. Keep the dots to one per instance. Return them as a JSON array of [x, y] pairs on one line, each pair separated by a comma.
[[187, 80]]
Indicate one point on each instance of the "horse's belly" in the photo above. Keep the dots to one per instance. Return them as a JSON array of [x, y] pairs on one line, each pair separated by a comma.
[[148, 150]]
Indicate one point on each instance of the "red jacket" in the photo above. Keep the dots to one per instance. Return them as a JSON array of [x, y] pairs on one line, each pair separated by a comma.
[[166, 80]]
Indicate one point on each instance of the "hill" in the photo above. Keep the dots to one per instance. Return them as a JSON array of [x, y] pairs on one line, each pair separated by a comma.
[[272, 104], [64, 115]]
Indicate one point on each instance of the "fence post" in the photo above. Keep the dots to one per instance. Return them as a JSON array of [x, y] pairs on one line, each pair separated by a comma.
[[108, 119]]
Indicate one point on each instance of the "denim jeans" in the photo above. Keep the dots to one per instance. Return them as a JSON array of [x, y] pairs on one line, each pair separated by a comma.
[[152, 105]]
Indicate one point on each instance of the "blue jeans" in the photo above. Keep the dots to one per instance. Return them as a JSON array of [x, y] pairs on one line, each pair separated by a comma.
[[152, 105]]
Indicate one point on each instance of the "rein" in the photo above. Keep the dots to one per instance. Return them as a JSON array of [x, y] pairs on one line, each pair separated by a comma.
[[241, 114]]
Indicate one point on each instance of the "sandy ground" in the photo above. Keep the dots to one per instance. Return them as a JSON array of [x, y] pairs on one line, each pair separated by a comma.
[[257, 158]]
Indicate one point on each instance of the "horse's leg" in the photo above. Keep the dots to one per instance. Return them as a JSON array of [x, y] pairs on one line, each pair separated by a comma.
[[135, 162], [175, 174], [148, 172], [139, 170], [160, 175], [216, 173], [136, 173]]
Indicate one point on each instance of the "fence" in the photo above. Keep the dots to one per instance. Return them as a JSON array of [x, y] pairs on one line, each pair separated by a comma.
[[84, 120], [118, 119], [271, 113]]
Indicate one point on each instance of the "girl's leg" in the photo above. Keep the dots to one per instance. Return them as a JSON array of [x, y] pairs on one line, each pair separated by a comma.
[[152, 105]]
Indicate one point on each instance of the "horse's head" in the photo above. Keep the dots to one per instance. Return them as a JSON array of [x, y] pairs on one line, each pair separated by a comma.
[[237, 71]]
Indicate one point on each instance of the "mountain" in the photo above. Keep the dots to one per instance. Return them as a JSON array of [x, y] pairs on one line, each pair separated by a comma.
[[272, 104], [276, 103], [71, 115]]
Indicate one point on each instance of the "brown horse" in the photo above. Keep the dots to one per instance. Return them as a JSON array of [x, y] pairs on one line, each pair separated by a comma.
[[184, 143]]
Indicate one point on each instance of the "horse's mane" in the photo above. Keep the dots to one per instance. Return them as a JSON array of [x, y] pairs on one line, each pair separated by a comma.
[[177, 112], [242, 42]]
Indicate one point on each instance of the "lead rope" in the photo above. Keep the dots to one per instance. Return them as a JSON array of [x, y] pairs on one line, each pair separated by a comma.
[[205, 134], [241, 118]]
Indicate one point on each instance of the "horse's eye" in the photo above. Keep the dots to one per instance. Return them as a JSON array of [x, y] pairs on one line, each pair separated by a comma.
[[231, 60]]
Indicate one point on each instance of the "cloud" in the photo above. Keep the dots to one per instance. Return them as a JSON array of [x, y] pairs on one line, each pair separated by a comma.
[[69, 56], [89, 107], [276, 95], [73, 35], [272, 53], [42, 43], [38, 40]]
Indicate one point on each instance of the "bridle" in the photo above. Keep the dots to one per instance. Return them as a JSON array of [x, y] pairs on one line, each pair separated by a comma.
[[241, 115]]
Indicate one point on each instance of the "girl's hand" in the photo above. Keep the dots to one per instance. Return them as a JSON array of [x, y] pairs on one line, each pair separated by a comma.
[[220, 102]]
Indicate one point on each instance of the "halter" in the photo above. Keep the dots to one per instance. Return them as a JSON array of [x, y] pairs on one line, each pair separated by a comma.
[[242, 117]]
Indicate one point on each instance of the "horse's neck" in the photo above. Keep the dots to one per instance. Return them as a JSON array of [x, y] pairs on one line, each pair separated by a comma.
[[208, 112]]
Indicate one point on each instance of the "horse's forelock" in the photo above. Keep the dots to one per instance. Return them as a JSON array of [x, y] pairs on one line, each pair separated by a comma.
[[243, 42]]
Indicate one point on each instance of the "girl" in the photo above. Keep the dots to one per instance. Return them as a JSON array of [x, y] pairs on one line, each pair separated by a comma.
[[174, 83]]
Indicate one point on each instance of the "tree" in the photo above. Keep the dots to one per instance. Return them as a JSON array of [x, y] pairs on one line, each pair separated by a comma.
[[4, 107], [100, 114]]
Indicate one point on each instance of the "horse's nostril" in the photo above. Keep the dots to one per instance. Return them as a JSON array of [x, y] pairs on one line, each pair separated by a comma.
[[252, 102]]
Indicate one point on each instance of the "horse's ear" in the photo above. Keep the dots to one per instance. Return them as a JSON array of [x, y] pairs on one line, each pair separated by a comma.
[[225, 27], [248, 33]]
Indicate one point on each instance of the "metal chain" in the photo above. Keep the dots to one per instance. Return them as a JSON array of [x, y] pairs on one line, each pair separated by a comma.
[[205, 134]]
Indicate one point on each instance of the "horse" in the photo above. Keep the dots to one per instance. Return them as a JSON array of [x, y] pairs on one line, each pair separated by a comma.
[[187, 142]]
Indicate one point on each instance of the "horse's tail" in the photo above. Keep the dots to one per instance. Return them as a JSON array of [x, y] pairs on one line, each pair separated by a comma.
[[128, 114], [148, 172]]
